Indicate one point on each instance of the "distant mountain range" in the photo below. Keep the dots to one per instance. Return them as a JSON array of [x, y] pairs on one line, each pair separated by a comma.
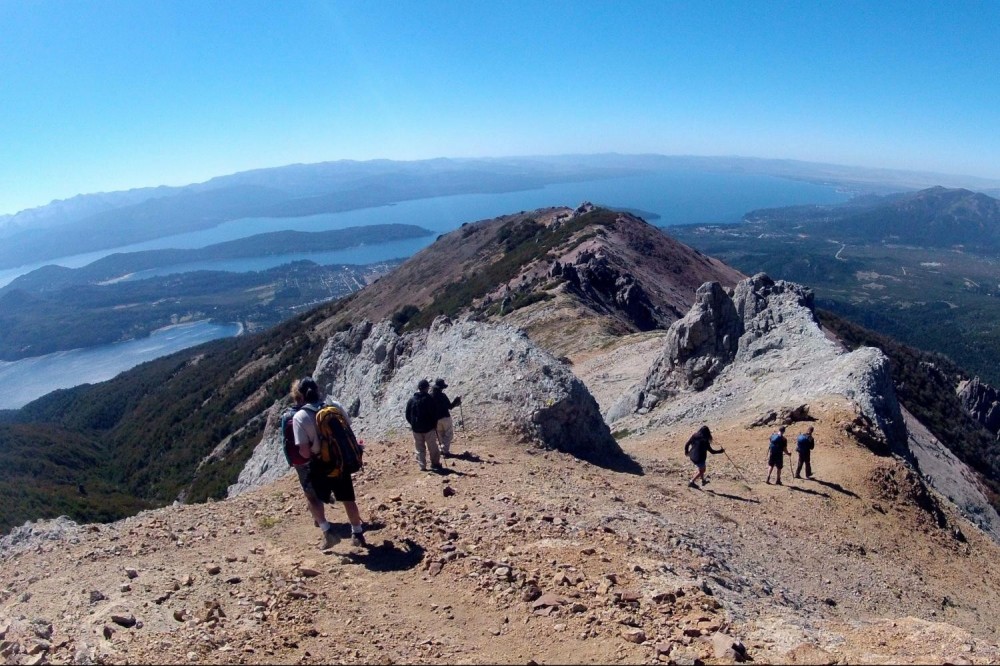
[[94, 222], [934, 217], [91, 222]]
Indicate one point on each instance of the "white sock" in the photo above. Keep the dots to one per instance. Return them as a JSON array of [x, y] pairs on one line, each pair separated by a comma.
[[357, 529], [324, 526]]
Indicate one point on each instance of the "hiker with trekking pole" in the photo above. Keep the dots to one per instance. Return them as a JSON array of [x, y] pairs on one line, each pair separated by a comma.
[[804, 444], [777, 449], [445, 428], [697, 449]]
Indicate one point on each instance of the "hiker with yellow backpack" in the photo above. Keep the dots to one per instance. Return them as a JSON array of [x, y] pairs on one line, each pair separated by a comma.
[[325, 442]]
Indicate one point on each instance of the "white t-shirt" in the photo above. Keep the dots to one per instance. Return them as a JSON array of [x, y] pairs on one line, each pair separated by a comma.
[[304, 426]]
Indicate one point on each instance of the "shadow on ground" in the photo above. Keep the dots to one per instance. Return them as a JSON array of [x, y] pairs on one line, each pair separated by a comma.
[[807, 491], [388, 557], [836, 486], [468, 456], [732, 497]]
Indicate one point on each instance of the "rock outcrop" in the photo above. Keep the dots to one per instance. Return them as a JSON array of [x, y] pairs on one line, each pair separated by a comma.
[[762, 349], [982, 401], [604, 287], [267, 462], [698, 346], [31, 534], [507, 384]]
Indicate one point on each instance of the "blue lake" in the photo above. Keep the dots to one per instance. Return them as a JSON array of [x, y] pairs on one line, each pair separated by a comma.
[[23, 381], [676, 197]]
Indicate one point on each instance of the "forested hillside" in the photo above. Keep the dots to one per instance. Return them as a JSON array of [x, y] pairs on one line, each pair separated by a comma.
[[135, 441]]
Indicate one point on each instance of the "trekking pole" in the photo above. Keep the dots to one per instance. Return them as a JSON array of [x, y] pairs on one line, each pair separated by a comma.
[[461, 414], [736, 467]]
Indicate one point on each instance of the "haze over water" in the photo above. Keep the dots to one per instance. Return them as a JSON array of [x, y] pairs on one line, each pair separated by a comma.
[[676, 197]]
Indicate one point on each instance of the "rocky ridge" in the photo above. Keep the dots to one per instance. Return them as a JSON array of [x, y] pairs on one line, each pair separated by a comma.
[[758, 350], [507, 383], [982, 401]]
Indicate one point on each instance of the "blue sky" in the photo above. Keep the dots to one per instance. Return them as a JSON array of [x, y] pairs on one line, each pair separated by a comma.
[[98, 95]]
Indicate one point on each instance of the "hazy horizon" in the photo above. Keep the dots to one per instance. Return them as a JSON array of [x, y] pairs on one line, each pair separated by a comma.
[[108, 96]]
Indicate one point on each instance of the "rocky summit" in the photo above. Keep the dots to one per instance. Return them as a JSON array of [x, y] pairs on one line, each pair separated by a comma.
[[554, 534]]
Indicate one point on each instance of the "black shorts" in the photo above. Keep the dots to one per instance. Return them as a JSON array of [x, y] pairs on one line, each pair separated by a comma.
[[326, 489], [776, 459]]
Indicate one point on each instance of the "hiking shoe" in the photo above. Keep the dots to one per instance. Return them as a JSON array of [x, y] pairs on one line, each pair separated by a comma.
[[704, 482], [330, 538], [692, 484], [437, 467], [423, 468], [358, 539], [778, 483]]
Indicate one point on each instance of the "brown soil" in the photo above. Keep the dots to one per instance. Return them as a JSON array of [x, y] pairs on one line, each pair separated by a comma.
[[844, 567]]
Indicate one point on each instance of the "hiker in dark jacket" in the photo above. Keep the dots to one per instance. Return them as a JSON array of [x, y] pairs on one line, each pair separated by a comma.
[[697, 449], [421, 414], [804, 444], [776, 451], [445, 429]]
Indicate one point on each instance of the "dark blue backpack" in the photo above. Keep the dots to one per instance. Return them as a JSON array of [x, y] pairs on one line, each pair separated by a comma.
[[288, 439], [804, 442]]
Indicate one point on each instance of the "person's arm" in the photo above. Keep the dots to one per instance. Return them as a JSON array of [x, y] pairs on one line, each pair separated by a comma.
[[718, 450], [409, 412], [303, 433], [456, 402]]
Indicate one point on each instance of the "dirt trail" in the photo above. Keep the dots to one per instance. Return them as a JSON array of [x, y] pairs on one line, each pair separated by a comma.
[[813, 569]]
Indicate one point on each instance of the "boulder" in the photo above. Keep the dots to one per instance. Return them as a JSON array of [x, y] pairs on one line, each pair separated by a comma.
[[698, 346], [507, 383]]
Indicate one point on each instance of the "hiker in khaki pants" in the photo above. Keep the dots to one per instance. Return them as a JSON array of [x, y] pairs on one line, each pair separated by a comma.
[[445, 429], [421, 414]]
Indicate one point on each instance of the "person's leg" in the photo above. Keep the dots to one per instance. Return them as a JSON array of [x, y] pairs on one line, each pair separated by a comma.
[[770, 470], [809, 469], [312, 502], [343, 491], [445, 432], [432, 446], [420, 449], [777, 481], [316, 509], [798, 468], [353, 514], [699, 475]]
